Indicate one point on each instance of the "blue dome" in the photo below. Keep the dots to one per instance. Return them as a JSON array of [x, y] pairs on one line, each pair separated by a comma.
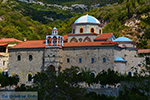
[[120, 59], [54, 28], [87, 19], [122, 39]]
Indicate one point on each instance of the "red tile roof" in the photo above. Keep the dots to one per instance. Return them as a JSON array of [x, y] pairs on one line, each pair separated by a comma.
[[84, 44], [65, 37], [41, 44], [5, 44], [30, 44], [9, 40], [144, 51], [104, 36]]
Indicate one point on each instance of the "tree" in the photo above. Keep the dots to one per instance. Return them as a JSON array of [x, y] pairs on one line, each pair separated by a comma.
[[109, 77], [53, 87], [87, 76], [6, 81]]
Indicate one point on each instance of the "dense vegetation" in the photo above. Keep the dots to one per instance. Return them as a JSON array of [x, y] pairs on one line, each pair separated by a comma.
[[66, 85], [43, 14], [14, 25], [17, 20], [64, 2], [8, 80]]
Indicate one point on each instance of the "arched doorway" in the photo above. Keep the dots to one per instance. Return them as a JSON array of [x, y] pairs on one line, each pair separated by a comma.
[[51, 68]]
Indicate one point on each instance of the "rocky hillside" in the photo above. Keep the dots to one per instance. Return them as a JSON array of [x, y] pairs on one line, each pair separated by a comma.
[[14, 24], [129, 18]]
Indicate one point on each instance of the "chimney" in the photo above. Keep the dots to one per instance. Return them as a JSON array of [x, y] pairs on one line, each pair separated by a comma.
[[25, 39]]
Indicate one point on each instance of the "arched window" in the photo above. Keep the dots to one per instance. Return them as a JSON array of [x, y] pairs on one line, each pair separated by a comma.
[[29, 77], [68, 60], [87, 39], [30, 58], [18, 57], [80, 60], [80, 39], [104, 60], [55, 40], [81, 30], [3, 63], [73, 40], [92, 30], [59, 68], [100, 31], [129, 73], [73, 31], [92, 60]]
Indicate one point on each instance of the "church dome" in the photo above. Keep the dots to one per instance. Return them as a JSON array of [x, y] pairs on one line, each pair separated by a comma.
[[122, 39], [87, 19]]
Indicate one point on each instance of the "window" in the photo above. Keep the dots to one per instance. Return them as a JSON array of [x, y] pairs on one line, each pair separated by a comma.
[[73, 31], [92, 30], [73, 40], [59, 68], [147, 60], [80, 39], [81, 30], [68, 60], [80, 60], [100, 31], [18, 57], [30, 57], [104, 60], [2, 49], [3, 63], [29, 77], [129, 73], [92, 60]]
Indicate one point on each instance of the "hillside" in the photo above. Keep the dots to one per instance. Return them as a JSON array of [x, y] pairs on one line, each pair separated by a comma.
[[130, 19], [42, 13], [117, 19], [69, 2], [14, 24]]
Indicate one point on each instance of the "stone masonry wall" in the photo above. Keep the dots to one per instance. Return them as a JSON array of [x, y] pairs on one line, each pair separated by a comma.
[[25, 66], [86, 54], [53, 56]]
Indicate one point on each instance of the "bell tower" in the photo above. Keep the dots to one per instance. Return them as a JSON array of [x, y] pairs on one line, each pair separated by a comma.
[[54, 40], [54, 31]]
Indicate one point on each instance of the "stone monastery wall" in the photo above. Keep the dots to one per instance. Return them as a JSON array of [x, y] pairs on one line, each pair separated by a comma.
[[25, 65], [87, 54]]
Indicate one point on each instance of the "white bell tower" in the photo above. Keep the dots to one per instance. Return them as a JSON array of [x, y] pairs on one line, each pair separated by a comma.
[[54, 40]]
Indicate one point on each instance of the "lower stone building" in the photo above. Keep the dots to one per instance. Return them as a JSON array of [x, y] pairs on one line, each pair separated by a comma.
[[86, 47]]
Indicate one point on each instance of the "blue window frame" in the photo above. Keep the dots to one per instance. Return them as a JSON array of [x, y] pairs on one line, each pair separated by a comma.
[[104, 60], [92, 60], [80, 60]]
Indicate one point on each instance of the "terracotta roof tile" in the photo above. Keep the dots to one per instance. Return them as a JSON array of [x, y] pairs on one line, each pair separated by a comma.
[[8, 40], [104, 36], [5, 44], [144, 51], [82, 44], [65, 37], [30, 44], [41, 44]]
